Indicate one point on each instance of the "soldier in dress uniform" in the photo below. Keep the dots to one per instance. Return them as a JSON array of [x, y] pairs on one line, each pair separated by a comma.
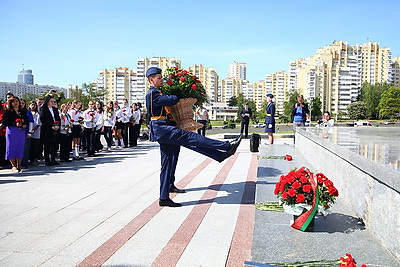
[[270, 119], [163, 130]]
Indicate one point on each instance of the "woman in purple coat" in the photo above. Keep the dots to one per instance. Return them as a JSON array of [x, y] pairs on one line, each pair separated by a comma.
[[15, 120]]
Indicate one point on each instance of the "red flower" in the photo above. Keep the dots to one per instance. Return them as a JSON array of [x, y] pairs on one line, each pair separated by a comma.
[[333, 191], [185, 71], [296, 185], [303, 179], [198, 81], [176, 68], [195, 77], [284, 195], [56, 122], [288, 157], [81, 118], [300, 198], [18, 120], [307, 188], [71, 120], [183, 79], [328, 183], [179, 74], [169, 82], [291, 192], [194, 86]]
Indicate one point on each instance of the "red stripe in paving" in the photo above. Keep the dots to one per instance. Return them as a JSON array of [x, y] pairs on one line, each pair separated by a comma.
[[240, 250], [105, 251], [171, 253]]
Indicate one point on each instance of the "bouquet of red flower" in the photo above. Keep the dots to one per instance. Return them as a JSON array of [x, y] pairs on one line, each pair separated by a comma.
[[109, 112], [183, 84], [19, 121], [56, 123], [296, 191], [80, 119]]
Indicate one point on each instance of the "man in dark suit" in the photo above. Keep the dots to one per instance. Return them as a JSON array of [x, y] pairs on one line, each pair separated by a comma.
[[246, 114], [50, 118]]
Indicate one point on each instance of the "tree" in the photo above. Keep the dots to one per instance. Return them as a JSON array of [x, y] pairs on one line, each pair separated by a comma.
[[371, 95], [316, 105], [357, 110], [389, 104], [232, 102], [29, 97], [288, 106]]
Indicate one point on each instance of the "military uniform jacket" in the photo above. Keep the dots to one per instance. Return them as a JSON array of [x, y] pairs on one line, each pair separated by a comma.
[[270, 116], [155, 102]]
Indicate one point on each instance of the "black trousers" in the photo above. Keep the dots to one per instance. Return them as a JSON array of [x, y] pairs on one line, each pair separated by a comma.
[[35, 150], [125, 134], [50, 146], [65, 146], [90, 135], [244, 127], [98, 146], [135, 134], [202, 130], [108, 135]]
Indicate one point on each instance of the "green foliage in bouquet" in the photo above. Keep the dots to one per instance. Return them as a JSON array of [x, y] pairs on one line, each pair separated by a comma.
[[183, 84]]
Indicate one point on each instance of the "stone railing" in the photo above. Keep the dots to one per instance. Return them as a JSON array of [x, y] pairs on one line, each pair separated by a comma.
[[371, 190]]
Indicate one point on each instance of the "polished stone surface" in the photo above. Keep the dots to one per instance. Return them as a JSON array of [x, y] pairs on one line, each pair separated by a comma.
[[380, 144]]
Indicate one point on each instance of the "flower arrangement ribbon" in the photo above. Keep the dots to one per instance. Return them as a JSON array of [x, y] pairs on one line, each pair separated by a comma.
[[302, 222]]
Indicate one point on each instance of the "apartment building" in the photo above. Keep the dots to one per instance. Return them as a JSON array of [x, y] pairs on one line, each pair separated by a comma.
[[277, 84], [209, 79], [237, 70], [140, 85], [21, 89], [229, 87], [116, 82], [395, 71], [259, 93]]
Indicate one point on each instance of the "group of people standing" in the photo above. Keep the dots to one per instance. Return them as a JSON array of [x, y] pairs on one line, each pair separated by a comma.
[[42, 130]]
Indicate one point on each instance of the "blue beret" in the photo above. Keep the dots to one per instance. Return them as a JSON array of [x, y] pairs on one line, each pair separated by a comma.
[[270, 95], [153, 70]]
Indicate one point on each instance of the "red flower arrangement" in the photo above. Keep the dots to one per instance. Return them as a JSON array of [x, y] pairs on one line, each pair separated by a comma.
[[296, 193], [288, 157], [348, 261], [183, 84], [19, 121]]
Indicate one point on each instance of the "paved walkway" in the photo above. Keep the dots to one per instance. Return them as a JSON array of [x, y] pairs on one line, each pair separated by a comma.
[[104, 212]]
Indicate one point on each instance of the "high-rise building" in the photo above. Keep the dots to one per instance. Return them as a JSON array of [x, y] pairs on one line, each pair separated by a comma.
[[229, 88], [259, 93], [209, 79], [25, 76], [277, 84], [21, 89], [335, 73], [396, 72], [116, 82], [237, 70], [140, 84]]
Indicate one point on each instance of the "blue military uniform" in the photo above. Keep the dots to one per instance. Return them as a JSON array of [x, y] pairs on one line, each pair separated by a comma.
[[163, 130], [270, 117]]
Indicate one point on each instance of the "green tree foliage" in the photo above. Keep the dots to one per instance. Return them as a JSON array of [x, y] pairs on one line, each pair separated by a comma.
[[316, 105], [357, 110], [371, 95], [233, 102], [29, 97], [288, 106], [389, 104]]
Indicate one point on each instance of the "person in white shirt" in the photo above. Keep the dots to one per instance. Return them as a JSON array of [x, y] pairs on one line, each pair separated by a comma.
[[35, 150], [135, 123], [76, 121], [202, 117], [65, 133], [126, 118], [119, 142], [89, 125], [99, 126], [109, 123]]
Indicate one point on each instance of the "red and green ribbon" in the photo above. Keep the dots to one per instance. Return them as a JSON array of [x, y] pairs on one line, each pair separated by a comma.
[[302, 222]]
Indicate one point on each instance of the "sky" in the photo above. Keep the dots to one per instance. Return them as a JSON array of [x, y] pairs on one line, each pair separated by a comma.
[[68, 42]]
